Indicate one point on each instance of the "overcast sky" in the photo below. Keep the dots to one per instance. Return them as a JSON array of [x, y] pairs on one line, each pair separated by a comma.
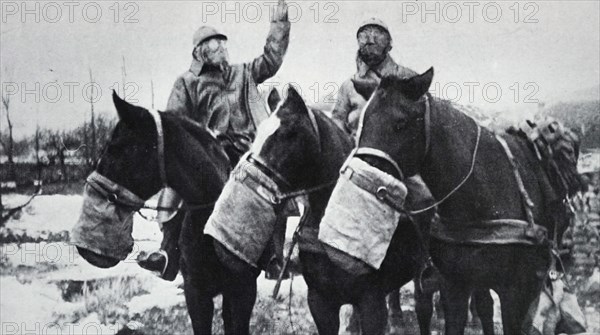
[[544, 50]]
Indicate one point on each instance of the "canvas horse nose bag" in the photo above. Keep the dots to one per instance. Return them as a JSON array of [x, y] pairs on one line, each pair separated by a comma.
[[102, 219], [244, 217], [363, 212]]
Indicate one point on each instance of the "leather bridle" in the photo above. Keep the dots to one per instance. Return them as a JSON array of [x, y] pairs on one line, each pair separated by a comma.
[[427, 129], [111, 190], [385, 156], [279, 180]]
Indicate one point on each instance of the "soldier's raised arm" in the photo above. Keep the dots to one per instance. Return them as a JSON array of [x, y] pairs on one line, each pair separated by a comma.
[[266, 65]]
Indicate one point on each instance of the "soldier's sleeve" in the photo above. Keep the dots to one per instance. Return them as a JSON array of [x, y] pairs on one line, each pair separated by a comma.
[[342, 107], [266, 65], [180, 101]]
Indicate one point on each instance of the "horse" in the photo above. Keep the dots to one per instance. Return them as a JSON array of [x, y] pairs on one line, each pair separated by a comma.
[[489, 235], [146, 152], [301, 151]]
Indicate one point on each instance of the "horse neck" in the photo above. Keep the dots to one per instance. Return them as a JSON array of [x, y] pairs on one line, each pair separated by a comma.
[[196, 174], [336, 145], [490, 192]]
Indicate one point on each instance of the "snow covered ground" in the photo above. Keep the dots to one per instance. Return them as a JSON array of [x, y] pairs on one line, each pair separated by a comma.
[[47, 288]]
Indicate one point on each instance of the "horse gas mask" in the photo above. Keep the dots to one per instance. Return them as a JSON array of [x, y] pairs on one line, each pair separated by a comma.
[[246, 212], [104, 227], [103, 230], [363, 212]]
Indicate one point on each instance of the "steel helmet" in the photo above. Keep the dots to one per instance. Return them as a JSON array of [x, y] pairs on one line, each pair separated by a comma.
[[373, 22], [206, 32]]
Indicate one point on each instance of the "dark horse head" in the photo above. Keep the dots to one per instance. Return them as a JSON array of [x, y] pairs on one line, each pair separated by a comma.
[[301, 144], [128, 173], [305, 149], [394, 119], [428, 136]]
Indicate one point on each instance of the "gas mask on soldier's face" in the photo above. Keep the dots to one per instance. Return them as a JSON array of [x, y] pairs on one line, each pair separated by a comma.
[[214, 52], [373, 45]]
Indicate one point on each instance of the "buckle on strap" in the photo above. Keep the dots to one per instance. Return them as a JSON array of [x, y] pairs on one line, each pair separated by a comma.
[[113, 192]]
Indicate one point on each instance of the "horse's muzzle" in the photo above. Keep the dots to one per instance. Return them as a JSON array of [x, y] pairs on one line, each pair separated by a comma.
[[103, 229], [363, 212], [244, 216]]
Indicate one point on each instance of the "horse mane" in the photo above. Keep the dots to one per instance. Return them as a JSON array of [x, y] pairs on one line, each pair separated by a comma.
[[207, 142], [195, 128]]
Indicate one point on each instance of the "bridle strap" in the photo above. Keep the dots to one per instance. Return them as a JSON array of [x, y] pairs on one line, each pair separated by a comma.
[[462, 182], [383, 155], [379, 154], [427, 121], [313, 121], [264, 168], [111, 190], [279, 197], [160, 145]]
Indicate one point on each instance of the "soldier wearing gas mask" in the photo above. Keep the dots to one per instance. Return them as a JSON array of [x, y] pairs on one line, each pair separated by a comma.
[[225, 99], [373, 61]]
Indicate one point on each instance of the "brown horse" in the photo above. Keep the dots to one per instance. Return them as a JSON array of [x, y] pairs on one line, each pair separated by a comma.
[[144, 154], [484, 239], [300, 151]]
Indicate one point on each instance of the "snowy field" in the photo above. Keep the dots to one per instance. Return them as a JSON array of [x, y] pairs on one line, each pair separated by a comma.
[[47, 288]]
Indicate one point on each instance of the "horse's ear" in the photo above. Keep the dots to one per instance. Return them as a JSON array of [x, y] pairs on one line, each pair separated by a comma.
[[127, 112], [365, 87], [295, 99], [273, 99], [417, 86]]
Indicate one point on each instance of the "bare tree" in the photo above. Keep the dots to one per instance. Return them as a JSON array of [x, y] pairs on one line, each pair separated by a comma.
[[124, 77], [152, 92], [92, 158], [38, 161], [8, 143]]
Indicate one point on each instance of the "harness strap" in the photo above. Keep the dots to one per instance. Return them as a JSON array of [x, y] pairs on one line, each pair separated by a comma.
[[306, 191], [381, 192], [527, 203], [379, 154]]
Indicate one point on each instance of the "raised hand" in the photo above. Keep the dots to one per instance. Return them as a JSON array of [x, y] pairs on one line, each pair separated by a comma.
[[281, 12]]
